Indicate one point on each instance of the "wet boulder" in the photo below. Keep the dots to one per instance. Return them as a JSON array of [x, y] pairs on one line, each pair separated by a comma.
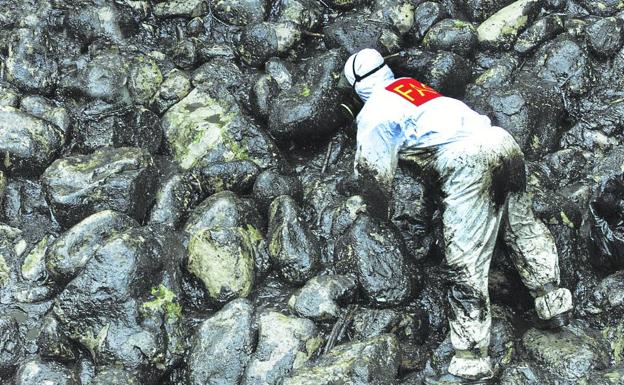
[[305, 13], [606, 297], [374, 361], [405, 324], [10, 96], [101, 124], [604, 37], [104, 307], [500, 30], [310, 109], [27, 144], [451, 35], [531, 110], [181, 8], [479, 10], [444, 71], [521, 374], [223, 260], [353, 33], [397, 13], [36, 371], [53, 344], [221, 346], [203, 128], [10, 347], [223, 209], [174, 87], [145, 79], [318, 298], [426, 15], [375, 254], [69, 253], [293, 248], [240, 12], [564, 62], [569, 355], [542, 30], [175, 196], [105, 76], [284, 344], [30, 65], [270, 184], [602, 7], [46, 109], [263, 40], [238, 176], [90, 20], [114, 376], [120, 179]]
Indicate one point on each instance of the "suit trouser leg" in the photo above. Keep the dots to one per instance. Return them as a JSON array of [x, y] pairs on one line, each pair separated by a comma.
[[534, 254]]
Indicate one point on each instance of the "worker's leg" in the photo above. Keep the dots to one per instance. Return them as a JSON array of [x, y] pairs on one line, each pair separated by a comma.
[[471, 222], [535, 255]]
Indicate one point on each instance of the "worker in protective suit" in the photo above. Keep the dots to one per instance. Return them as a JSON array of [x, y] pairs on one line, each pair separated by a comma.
[[479, 169]]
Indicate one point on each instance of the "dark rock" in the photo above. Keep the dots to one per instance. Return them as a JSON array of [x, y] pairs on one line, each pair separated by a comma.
[[412, 215], [479, 10], [426, 15], [544, 29], [500, 30], [34, 268], [608, 377], [262, 40], [204, 128], [36, 372], [53, 344], [45, 109], [223, 210], [604, 37], [567, 356], [607, 296], [353, 33], [373, 361], [9, 95], [397, 13], [531, 110], [114, 376], [183, 8], [105, 76], [30, 65], [563, 62], [184, 54], [521, 374], [90, 20], [319, 298], [284, 344], [236, 176], [239, 12], [444, 71], [175, 86], [119, 179], [227, 335], [270, 184], [223, 260], [368, 323], [602, 7], [10, 346], [69, 253], [293, 248], [100, 124], [175, 196], [264, 91], [347, 4], [119, 307], [451, 35], [310, 110], [27, 144], [144, 79], [374, 253], [306, 13]]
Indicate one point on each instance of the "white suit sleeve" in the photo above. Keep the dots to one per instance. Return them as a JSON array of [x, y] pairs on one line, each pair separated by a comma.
[[377, 153]]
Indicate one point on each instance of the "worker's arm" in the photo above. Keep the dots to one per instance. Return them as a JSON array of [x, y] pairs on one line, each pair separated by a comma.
[[376, 160]]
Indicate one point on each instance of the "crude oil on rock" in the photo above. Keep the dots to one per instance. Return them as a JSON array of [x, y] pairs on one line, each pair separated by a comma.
[[170, 201]]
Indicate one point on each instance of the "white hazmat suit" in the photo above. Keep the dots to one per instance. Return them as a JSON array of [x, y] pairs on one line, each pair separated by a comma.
[[480, 172]]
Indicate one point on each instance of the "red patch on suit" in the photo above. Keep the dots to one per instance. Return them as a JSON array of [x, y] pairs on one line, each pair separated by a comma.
[[413, 91]]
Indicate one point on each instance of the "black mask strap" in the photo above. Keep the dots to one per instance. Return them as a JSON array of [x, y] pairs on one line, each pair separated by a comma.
[[358, 77]]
